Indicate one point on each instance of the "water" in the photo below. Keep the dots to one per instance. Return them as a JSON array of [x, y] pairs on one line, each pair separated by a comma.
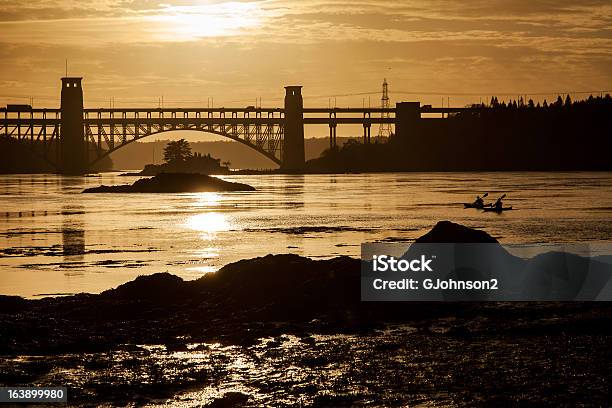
[[54, 240]]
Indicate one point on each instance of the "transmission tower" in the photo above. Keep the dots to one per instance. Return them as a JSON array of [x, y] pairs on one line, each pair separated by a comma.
[[385, 129]]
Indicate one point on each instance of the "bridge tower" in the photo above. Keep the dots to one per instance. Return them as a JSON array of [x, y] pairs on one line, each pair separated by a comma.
[[407, 120], [73, 148], [293, 141]]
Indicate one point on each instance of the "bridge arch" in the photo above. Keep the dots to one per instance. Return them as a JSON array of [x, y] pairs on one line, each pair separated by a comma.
[[235, 137]]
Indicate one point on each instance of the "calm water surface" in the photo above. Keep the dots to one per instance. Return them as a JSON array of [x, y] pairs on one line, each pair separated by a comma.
[[55, 240]]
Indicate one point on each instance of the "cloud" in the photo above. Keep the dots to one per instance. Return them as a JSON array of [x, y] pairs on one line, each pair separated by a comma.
[[234, 50]]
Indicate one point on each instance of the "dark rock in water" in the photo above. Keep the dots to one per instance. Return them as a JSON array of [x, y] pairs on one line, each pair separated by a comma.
[[230, 400], [466, 258], [287, 287], [13, 304], [449, 232], [158, 288], [174, 183], [560, 275], [336, 401]]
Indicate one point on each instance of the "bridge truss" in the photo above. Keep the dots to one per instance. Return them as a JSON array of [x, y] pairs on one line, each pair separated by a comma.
[[39, 128], [259, 128], [107, 130]]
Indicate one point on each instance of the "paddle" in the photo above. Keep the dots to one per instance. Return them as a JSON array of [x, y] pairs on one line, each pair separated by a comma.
[[484, 196], [484, 205], [500, 198]]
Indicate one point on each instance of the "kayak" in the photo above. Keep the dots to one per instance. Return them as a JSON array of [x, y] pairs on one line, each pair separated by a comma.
[[497, 210], [472, 205]]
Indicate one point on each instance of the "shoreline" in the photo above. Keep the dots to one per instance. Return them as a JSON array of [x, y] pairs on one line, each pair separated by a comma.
[[263, 289], [284, 323], [128, 173]]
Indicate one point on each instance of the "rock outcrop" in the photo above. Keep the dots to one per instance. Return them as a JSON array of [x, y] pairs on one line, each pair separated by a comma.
[[174, 183]]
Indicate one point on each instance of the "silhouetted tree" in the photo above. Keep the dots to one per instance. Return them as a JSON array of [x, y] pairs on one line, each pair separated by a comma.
[[565, 102], [177, 151]]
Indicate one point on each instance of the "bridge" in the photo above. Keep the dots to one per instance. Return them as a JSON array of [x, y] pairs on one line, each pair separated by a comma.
[[73, 138]]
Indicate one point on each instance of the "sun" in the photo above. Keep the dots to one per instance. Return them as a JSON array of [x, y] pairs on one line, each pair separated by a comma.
[[188, 23]]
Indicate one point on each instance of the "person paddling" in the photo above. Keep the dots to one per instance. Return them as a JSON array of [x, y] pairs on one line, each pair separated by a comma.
[[499, 204], [479, 202]]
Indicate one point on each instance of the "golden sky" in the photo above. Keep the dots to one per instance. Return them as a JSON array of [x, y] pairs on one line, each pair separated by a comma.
[[135, 51]]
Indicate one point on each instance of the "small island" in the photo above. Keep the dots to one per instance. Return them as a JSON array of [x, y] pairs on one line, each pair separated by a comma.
[[178, 158], [174, 183]]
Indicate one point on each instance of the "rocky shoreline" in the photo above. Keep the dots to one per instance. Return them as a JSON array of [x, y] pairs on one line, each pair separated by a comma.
[[162, 337]]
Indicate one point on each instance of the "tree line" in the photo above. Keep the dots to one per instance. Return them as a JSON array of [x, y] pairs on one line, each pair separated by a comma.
[[560, 102]]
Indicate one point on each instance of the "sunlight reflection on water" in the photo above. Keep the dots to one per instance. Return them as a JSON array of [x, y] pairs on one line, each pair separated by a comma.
[[203, 269], [110, 239], [208, 199], [209, 223]]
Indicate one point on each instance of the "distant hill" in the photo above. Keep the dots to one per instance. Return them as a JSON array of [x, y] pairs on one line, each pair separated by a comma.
[[136, 155]]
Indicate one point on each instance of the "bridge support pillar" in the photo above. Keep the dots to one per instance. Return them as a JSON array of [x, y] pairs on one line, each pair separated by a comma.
[[72, 147], [333, 143], [293, 141], [407, 119], [366, 133]]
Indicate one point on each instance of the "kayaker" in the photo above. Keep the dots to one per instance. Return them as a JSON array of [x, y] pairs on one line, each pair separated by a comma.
[[479, 202], [499, 204]]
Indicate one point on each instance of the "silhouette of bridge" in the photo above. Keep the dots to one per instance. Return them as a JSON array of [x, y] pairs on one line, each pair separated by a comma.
[[73, 138]]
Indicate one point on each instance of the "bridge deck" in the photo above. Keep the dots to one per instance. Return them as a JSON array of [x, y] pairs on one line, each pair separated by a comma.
[[192, 121], [424, 109]]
